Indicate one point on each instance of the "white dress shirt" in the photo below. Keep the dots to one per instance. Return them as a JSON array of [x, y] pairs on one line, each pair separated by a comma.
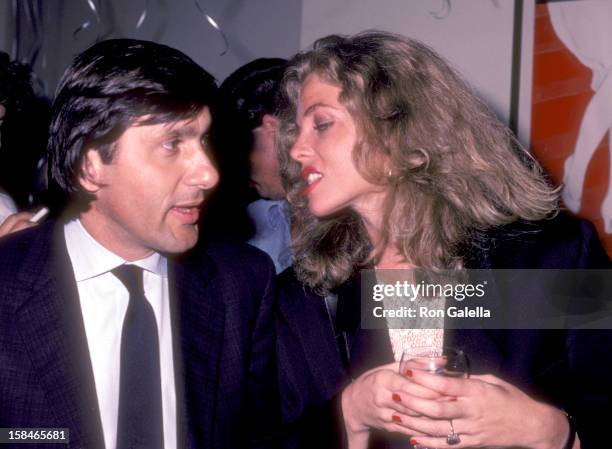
[[104, 301]]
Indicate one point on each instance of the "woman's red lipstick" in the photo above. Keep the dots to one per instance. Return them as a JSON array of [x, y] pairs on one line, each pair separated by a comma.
[[312, 178]]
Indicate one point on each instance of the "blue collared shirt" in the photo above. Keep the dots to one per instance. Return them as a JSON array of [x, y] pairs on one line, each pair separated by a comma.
[[272, 230]]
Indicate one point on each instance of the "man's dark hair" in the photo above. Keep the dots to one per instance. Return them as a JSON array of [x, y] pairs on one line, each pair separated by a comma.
[[111, 85], [252, 90]]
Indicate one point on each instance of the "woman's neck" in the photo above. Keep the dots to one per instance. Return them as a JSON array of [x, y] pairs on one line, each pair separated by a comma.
[[390, 256], [392, 259]]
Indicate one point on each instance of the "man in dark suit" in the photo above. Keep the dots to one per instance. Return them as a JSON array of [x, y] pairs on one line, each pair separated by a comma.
[[104, 329]]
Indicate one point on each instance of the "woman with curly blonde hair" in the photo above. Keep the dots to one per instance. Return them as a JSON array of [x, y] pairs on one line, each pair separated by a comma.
[[391, 162], [447, 168]]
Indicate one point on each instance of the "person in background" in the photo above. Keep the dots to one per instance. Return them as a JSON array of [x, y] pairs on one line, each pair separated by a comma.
[[24, 129], [392, 163], [246, 153], [7, 205], [113, 323], [23, 134]]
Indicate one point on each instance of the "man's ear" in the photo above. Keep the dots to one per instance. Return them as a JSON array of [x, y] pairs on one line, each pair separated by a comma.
[[90, 173], [270, 123]]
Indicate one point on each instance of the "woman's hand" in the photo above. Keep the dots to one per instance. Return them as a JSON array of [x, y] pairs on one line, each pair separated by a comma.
[[376, 400], [485, 411]]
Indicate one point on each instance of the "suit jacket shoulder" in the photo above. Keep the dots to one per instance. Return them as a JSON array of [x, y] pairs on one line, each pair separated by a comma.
[[46, 378], [561, 242], [23, 254], [226, 294], [243, 275]]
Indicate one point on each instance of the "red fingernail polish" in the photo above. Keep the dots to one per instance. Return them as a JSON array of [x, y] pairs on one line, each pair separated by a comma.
[[396, 397], [413, 441], [396, 418], [408, 372]]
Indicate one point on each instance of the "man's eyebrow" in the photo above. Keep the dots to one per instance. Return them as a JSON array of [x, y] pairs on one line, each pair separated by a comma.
[[185, 132]]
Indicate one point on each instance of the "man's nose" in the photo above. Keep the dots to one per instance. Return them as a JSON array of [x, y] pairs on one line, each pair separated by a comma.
[[202, 173]]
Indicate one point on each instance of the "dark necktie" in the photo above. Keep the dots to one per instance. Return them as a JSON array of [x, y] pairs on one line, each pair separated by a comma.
[[140, 422]]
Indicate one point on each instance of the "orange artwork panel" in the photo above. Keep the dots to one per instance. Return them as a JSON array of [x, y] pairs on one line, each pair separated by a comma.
[[561, 92]]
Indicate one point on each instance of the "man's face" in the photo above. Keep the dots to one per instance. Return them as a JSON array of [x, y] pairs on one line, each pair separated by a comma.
[[265, 174], [148, 197]]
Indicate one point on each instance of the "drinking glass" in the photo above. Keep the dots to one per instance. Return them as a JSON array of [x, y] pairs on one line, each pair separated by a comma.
[[445, 361]]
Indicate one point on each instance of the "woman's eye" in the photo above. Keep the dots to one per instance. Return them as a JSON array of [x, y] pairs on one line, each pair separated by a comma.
[[171, 145], [322, 126]]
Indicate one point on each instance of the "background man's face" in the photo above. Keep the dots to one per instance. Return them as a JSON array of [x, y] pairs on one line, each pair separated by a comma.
[[265, 174], [150, 195]]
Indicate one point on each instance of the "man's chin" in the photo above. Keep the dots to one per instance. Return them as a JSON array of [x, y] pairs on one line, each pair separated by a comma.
[[182, 240]]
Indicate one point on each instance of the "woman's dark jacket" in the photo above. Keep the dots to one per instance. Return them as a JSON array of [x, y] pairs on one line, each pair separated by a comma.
[[569, 369]]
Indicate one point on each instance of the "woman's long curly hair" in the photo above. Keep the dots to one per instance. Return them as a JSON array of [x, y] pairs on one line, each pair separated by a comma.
[[452, 169]]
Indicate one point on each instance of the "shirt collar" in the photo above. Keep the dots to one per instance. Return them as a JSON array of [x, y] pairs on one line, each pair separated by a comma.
[[90, 259], [275, 212]]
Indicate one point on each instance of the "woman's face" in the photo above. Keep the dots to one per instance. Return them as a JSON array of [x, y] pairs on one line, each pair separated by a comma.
[[327, 135]]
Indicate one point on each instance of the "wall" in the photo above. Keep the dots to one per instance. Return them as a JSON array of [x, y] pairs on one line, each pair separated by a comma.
[[476, 36], [254, 28], [5, 26]]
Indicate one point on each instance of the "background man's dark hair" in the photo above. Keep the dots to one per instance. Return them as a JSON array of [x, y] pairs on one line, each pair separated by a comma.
[[246, 96], [24, 132], [108, 87], [253, 90], [15, 83]]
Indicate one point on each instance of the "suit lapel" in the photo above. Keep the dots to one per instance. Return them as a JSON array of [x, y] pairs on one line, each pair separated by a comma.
[[368, 347], [316, 337], [51, 325], [479, 341], [197, 328]]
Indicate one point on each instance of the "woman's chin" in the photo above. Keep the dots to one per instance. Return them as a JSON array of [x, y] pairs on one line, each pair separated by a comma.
[[320, 211], [326, 211]]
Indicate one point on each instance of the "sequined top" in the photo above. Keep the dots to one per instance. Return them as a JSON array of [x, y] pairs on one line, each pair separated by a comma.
[[411, 332]]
